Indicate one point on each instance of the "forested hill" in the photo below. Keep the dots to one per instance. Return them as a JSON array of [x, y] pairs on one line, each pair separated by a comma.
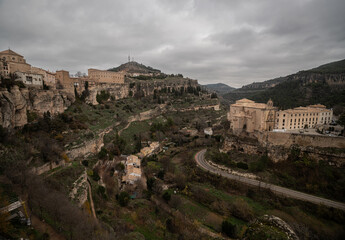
[[220, 88], [324, 85], [134, 67]]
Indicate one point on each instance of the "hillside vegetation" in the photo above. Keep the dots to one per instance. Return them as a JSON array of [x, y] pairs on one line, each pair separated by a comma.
[[324, 85]]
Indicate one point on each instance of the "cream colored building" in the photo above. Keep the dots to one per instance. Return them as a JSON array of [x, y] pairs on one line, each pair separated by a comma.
[[48, 77], [249, 116], [103, 76], [303, 117], [30, 79], [11, 62], [133, 170]]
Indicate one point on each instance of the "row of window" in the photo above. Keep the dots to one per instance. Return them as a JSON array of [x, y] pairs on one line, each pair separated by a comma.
[[305, 114]]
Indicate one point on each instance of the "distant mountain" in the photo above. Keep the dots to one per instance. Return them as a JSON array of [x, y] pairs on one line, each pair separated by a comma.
[[220, 88], [324, 85], [134, 67]]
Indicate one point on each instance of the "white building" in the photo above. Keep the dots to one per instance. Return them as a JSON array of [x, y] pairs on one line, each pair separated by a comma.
[[31, 79]]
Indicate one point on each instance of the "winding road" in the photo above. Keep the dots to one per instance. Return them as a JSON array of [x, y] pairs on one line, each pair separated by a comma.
[[202, 163]]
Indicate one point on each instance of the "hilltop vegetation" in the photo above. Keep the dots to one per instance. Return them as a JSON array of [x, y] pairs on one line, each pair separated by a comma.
[[333, 67], [220, 88], [324, 85], [134, 67]]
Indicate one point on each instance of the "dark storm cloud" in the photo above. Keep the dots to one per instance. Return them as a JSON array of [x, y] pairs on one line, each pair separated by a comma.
[[235, 42]]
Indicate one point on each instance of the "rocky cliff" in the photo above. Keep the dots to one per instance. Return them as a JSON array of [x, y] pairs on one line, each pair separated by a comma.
[[132, 87], [279, 146], [15, 104]]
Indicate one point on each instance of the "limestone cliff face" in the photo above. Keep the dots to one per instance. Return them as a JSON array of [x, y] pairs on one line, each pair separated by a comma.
[[132, 87], [15, 103], [279, 145]]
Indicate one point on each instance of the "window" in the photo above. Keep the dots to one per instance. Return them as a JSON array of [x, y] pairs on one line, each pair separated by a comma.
[[28, 78]]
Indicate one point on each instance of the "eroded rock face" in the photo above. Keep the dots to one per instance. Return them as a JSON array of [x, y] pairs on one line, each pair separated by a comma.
[[15, 103]]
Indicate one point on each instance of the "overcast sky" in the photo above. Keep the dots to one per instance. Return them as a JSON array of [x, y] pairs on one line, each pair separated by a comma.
[[230, 41]]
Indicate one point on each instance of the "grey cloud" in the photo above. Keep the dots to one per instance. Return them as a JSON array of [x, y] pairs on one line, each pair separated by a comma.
[[235, 42]]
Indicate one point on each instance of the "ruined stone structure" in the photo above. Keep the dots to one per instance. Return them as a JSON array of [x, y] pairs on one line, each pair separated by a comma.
[[249, 116], [303, 117]]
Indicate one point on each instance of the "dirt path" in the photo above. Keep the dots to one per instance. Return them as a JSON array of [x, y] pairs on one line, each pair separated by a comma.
[[45, 228], [91, 201]]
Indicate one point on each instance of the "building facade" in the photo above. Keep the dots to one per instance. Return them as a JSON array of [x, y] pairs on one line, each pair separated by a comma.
[[11, 62], [48, 77], [103, 76], [249, 116], [30, 79], [303, 117]]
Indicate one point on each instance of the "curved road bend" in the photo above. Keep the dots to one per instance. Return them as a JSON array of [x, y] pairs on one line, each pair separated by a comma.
[[200, 160]]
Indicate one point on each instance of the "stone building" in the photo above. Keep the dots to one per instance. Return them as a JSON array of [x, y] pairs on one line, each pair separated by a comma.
[[30, 79], [103, 76], [249, 116], [11, 62], [63, 80], [303, 117], [48, 77]]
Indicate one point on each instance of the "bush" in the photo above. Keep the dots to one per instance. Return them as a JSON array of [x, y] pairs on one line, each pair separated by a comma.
[[242, 165], [166, 196], [85, 163], [229, 229], [103, 153], [102, 96], [259, 165], [123, 198], [241, 209]]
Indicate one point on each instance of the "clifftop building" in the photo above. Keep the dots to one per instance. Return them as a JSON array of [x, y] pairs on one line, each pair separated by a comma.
[[103, 76], [11, 62], [249, 116], [303, 117]]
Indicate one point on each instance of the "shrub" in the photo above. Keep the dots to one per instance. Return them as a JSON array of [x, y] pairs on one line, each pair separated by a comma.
[[95, 176], [85, 163], [166, 196], [123, 198], [229, 229], [103, 153], [102, 96], [242, 165], [242, 210]]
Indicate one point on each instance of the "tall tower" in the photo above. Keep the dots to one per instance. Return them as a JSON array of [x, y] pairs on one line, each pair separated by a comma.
[[129, 58]]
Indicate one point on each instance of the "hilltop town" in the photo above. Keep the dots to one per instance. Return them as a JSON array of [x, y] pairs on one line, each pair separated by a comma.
[[135, 153]]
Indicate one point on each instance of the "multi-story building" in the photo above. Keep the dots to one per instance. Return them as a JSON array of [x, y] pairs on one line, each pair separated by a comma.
[[249, 116], [48, 77], [103, 76], [30, 79], [11, 62], [303, 117]]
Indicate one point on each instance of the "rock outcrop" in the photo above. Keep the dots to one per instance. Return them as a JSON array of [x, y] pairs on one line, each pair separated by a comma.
[[278, 146], [15, 104]]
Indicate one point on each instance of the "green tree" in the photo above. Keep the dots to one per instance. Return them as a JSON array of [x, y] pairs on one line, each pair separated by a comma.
[[123, 198]]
